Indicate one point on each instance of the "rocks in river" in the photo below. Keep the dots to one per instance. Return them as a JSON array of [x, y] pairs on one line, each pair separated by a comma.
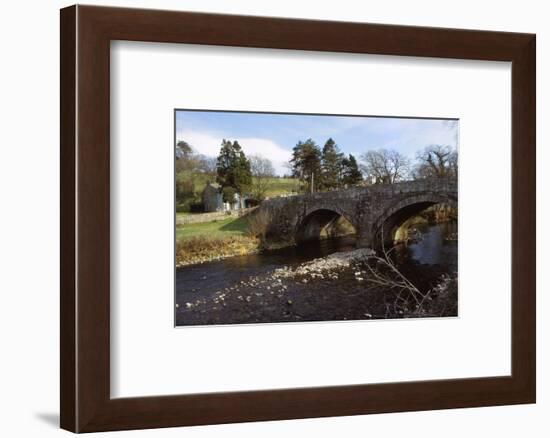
[[276, 287], [321, 267]]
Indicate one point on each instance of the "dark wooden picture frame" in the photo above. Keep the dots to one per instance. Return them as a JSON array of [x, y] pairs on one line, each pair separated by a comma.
[[86, 33]]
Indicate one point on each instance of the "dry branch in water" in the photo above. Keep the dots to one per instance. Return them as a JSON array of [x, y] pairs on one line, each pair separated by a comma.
[[257, 223], [383, 272]]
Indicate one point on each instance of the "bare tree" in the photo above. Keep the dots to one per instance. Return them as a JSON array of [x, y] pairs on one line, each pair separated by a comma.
[[262, 172], [436, 161], [385, 166], [206, 164], [189, 161]]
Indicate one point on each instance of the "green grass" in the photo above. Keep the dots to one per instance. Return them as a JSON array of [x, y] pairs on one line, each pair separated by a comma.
[[214, 229], [277, 186]]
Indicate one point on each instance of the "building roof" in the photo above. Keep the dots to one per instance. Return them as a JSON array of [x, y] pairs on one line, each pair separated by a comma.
[[213, 185]]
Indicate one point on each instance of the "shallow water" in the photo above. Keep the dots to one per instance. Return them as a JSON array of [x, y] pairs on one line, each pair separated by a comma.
[[423, 262]]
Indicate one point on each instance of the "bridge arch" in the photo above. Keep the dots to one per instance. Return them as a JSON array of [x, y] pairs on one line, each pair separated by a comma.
[[321, 221], [385, 227]]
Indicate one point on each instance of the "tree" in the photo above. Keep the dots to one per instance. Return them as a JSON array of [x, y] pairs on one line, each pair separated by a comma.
[[306, 164], [186, 159], [351, 174], [185, 168], [228, 194], [262, 172], [436, 161], [206, 165], [183, 149], [233, 168], [385, 166], [185, 191], [331, 165]]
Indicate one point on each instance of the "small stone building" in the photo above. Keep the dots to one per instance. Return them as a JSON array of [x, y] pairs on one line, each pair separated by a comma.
[[212, 199]]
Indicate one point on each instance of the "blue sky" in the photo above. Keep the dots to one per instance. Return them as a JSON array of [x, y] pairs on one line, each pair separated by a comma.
[[274, 135]]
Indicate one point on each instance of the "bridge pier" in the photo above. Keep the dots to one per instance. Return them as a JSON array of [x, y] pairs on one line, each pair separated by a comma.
[[364, 238]]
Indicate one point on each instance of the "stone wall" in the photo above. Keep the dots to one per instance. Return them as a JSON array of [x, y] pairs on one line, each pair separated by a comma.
[[213, 216]]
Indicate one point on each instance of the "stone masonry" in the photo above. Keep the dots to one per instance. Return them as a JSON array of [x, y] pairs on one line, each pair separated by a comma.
[[375, 211]]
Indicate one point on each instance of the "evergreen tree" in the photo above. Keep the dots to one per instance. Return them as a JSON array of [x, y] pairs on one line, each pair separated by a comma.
[[233, 168], [351, 174], [306, 164], [331, 165], [228, 194]]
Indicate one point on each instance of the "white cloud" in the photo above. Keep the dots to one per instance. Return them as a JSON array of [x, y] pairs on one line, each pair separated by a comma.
[[414, 135], [209, 144]]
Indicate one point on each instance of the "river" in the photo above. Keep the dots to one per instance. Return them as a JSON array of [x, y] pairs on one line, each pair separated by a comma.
[[240, 289]]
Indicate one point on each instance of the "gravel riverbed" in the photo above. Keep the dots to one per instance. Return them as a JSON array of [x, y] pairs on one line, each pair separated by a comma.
[[327, 288]]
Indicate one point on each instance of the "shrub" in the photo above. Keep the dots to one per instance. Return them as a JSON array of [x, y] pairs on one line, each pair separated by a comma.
[[196, 207], [444, 298], [182, 208], [258, 223], [185, 191]]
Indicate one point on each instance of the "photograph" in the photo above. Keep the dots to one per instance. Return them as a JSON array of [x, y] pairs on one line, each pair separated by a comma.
[[284, 217]]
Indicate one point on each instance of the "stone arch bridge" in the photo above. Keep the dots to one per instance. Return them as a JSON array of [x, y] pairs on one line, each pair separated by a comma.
[[376, 211]]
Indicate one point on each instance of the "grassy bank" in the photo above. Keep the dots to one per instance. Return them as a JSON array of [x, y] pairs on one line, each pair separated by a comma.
[[206, 241], [215, 229], [281, 186], [202, 242]]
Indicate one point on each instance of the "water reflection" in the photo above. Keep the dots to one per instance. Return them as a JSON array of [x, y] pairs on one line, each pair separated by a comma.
[[436, 244]]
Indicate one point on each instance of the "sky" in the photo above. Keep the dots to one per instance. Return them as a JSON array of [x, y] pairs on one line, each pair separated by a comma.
[[274, 135]]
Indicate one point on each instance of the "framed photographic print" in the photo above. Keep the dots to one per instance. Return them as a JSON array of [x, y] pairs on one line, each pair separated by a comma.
[[284, 235], [266, 218]]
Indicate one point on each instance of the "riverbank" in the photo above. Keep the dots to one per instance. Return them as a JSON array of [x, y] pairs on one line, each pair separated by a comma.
[[203, 242], [202, 249], [214, 240], [280, 286]]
